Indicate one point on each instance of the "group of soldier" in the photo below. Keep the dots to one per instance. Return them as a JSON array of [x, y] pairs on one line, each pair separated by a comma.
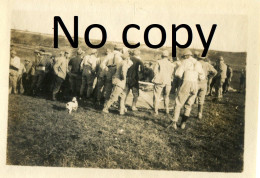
[[110, 78]]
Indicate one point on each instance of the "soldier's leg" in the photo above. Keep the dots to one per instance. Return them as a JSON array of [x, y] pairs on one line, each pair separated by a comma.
[[90, 82], [180, 100], [100, 85], [34, 82], [123, 96], [40, 81], [135, 91], [15, 80], [156, 96], [20, 84], [116, 91], [108, 89], [201, 98], [11, 80], [83, 85], [167, 91], [56, 86]]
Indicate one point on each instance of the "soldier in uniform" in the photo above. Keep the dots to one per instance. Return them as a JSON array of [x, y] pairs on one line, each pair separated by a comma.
[[75, 72], [13, 72], [119, 82], [228, 79], [221, 76], [111, 63], [88, 65], [39, 66], [60, 69], [132, 78], [21, 71], [209, 72], [190, 71], [163, 71], [101, 75], [27, 76]]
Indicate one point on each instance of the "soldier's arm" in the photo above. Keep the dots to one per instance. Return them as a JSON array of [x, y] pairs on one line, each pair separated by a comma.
[[179, 72], [212, 71]]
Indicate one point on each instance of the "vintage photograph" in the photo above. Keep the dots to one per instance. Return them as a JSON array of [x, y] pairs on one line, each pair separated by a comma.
[[115, 107]]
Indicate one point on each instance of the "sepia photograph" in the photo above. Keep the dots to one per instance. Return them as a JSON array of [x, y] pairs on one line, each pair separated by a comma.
[[128, 85]]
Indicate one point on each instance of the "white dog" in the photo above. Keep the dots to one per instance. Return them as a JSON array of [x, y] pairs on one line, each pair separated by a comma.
[[72, 105]]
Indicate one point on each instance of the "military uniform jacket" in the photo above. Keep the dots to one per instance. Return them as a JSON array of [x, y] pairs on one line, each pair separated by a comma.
[[190, 70], [208, 69], [119, 78], [61, 67], [163, 71], [133, 71]]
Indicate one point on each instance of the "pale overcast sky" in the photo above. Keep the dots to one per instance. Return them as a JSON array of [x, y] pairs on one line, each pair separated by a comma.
[[230, 34]]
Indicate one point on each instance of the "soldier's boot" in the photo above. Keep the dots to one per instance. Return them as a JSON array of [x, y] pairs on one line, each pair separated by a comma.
[[107, 106], [183, 121], [54, 97], [200, 109], [174, 125], [134, 108]]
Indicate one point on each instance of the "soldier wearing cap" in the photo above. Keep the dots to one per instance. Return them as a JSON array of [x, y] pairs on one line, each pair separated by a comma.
[[39, 66], [102, 74], [221, 76], [132, 78], [111, 63], [119, 82], [190, 71], [15, 62], [75, 72], [60, 69], [27, 76], [163, 71], [209, 72], [88, 67]]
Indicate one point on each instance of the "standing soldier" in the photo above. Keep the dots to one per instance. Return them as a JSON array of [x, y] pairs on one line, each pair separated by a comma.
[[119, 82], [209, 72], [228, 79], [132, 78], [221, 76], [13, 72], [88, 65], [190, 71], [39, 66], [101, 75], [111, 64], [27, 76], [75, 72], [163, 71], [21, 71], [60, 69]]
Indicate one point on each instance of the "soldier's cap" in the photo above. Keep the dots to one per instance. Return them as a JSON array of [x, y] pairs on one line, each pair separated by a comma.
[[186, 52], [80, 51], [36, 51], [93, 51], [118, 47], [220, 58], [165, 53], [125, 55], [137, 52]]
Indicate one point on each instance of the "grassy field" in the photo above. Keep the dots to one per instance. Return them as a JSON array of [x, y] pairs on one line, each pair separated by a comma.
[[41, 133]]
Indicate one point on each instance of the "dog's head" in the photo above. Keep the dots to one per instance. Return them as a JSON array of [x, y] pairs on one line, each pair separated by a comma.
[[74, 99]]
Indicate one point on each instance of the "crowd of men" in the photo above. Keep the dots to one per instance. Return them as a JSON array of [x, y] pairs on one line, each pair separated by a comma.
[[110, 78]]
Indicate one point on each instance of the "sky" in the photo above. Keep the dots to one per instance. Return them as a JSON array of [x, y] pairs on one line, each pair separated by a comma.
[[36, 16]]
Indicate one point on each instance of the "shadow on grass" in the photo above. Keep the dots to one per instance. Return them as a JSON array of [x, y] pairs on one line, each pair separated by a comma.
[[58, 108]]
